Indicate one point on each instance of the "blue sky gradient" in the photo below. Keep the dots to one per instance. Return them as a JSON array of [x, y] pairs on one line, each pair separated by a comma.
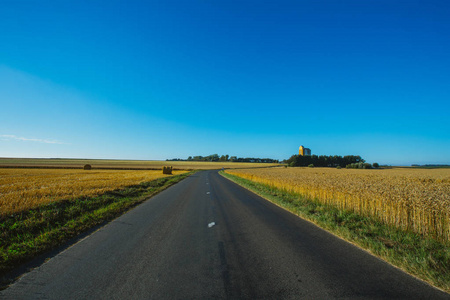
[[166, 79]]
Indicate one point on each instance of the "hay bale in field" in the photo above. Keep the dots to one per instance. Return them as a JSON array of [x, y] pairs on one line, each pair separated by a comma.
[[167, 170], [87, 167]]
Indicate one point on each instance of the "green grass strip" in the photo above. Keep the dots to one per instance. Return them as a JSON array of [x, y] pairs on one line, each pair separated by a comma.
[[28, 234], [422, 257]]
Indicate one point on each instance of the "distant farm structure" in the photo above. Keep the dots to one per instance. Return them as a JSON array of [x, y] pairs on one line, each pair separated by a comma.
[[304, 151]]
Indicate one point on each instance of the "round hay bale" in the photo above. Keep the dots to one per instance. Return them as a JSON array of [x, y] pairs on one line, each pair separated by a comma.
[[167, 170], [87, 167]]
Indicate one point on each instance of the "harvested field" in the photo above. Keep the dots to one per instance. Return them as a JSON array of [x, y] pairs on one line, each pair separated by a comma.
[[22, 189], [123, 164]]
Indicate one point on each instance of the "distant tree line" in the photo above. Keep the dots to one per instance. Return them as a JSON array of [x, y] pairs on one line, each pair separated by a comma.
[[430, 166], [361, 165], [225, 158], [325, 161]]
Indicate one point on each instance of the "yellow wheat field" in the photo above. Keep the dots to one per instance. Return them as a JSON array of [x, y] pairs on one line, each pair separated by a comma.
[[414, 199], [22, 189]]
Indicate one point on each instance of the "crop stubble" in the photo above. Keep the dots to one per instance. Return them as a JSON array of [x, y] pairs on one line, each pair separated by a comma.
[[23, 189]]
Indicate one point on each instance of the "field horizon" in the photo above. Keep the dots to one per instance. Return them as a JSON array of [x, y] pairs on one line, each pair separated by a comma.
[[78, 163]]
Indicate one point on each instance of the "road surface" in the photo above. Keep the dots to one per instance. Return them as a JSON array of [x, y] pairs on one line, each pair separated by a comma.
[[208, 238]]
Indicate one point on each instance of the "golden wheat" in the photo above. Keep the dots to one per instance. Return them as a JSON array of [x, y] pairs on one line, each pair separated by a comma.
[[413, 199], [22, 189]]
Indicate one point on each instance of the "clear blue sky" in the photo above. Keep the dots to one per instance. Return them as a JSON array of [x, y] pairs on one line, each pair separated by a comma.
[[166, 79]]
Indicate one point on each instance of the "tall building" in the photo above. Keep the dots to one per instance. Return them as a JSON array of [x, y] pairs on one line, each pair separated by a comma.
[[304, 151]]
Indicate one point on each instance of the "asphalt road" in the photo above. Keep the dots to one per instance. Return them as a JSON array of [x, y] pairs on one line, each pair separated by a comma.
[[207, 238]]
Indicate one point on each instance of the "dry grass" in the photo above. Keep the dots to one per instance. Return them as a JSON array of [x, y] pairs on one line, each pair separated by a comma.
[[22, 189], [412, 199], [125, 164]]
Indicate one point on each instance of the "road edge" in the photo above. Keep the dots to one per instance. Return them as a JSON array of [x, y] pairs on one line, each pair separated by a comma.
[[337, 234]]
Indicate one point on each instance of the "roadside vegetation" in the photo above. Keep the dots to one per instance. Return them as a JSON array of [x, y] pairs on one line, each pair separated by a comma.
[[28, 233], [317, 195], [413, 199]]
